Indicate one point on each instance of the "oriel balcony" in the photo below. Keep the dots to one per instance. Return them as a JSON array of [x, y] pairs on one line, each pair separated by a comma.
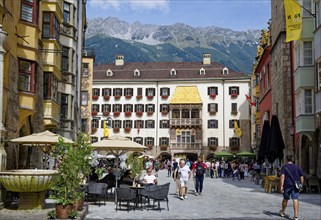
[[186, 121], [197, 145]]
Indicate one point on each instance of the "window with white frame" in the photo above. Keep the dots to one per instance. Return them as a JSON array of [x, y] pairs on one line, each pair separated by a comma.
[[106, 92], [65, 59], [234, 142], [212, 123], [231, 123], [173, 72], [95, 108], [26, 76], [138, 140], [149, 141], [163, 141], [164, 124], [234, 108], [116, 123], [308, 101], [212, 90], [202, 71], [139, 124], [94, 123], [117, 92], [212, 107], [150, 92], [128, 107], [150, 107], [164, 107], [128, 123], [64, 106], [128, 92], [117, 108], [164, 91], [149, 124], [307, 8], [195, 113], [185, 113], [84, 98], [29, 11], [186, 137], [136, 72], [212, 141], [96, 92], [106, 107], [307, 53], [139, 108]]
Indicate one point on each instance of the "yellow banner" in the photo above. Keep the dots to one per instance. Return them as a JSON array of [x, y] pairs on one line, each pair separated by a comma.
[[293, 20], [106, 131], [237, 129]]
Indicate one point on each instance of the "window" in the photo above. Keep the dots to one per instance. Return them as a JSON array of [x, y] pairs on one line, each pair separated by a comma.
[[47, 78], [51, 27], [29, 11], [128, 108], [117, 92], [65, 59], [318, 14], [150, 92], [202, 71], [109, 72], [85, 69], [64, 106], [231, 123], [150, 107], [186, 137], [234, 142], [95, 123], [95, 108], [163, 141], [106, 92], [136, 72], [164, 108], [117, 108], [96, 92], [212, 141], [234, 108], [128, 123], [106, 108], [164, 91], [195, 113], [149, 124], [234, 91], [139, 124], [139, 108], [66, 12], [84, 125], [307, 6], [138, 140], [308, 101], [307, 51], [149, 141], [26, 76], [176, 113], [140, 91], [84, 98], [128, 92], [173, 72], [164, 124], [212, 123], [116, 123], [185, 113], [212, 107], [225, 71], [212, 90]]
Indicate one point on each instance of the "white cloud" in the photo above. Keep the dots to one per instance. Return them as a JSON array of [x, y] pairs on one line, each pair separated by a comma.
[[135, 5]]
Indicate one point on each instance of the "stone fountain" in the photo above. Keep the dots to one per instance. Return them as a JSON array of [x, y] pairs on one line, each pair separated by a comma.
[[31, 184]]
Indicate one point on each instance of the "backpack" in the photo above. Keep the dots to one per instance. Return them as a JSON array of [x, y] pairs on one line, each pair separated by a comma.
[[199, 170]]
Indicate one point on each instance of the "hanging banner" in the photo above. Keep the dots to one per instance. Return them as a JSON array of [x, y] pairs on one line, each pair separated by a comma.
[[293, 20]]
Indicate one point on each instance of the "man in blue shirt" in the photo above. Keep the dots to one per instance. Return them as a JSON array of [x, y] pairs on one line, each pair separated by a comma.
[[288, 187]]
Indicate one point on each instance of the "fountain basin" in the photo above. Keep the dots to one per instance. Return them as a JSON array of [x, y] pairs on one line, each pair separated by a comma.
[[31, 184]]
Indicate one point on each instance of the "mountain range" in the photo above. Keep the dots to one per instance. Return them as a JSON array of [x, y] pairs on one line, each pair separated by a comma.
[[163, 43]]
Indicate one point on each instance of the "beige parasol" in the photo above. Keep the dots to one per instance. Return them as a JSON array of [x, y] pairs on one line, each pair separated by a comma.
[[45, 140], [117, 145]]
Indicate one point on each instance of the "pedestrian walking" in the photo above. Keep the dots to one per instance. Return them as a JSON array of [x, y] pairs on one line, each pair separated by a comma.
[[176, 178], [199, 169], [169, 168], [185, 175], [289, 174]]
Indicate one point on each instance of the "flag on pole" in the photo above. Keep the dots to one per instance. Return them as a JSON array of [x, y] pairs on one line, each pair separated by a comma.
[[237, 129], [250, 100], [106, 131], [293, 20]]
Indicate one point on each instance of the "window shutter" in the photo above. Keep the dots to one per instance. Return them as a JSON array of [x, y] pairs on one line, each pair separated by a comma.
[[237, 90], [208, 123], [160, 124], [136, 108], [160, 141], [146, 91], [208, 107], [216, 107], [153, 92], [216, 90], [161, 107], [208, 90], [229, 90], [168, 91], [114, 92]]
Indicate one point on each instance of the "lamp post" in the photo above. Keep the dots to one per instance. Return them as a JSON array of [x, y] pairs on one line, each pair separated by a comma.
[[3, 154]]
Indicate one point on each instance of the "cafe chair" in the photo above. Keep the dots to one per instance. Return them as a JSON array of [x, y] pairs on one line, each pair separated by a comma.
[[96, 191], [144, 194], [159, 195], [125, 195]]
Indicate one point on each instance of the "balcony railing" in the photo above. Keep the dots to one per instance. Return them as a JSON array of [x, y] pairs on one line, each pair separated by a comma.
[[186, 121], [186, 146]]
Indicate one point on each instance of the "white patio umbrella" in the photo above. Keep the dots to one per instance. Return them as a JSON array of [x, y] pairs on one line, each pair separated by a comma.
[[45, 140], [118, 145]]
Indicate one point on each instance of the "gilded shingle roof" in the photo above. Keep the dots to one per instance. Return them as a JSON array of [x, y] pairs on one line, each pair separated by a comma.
[[161, 71], [186, 95]]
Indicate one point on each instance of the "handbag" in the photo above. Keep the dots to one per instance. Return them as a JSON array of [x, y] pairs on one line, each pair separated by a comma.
[[297, 184]]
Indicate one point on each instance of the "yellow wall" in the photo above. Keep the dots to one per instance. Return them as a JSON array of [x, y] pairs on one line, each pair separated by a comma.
[[51, 113]]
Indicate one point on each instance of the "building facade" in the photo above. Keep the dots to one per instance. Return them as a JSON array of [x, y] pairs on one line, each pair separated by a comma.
[[180, 109]]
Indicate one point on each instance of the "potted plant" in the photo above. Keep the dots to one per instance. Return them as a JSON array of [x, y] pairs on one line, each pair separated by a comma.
[[139, 113], [139, 96], [136, 167], [73, 164], [106, 97], [95, 97], [116, 113], [105, 113], [128, 113]]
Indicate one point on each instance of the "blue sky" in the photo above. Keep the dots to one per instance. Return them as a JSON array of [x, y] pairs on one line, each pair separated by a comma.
[[234, 14]]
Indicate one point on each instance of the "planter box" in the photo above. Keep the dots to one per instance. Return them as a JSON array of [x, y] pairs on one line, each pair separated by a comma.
[[150, 97], [106, 97], [106, 113], [234, 95], [94, 113], [116, 114], [213, 148], [164, 96], [164, 148], [164, 112], [139, 96], [116, 130], [150, 113], [117, 97], [127, 114], [128, 96], [93, 130], [95, 97], [212, 112], [149, 147], [213, 96], [139, 113], [127, 130], [235, 148]]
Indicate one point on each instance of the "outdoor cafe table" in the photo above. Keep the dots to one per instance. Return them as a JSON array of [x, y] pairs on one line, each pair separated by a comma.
[[137, 188]]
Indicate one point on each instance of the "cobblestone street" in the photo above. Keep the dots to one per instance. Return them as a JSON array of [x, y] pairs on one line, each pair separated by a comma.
[[221, 199]]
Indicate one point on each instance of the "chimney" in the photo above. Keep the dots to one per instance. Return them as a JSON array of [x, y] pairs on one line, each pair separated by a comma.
[[206, 59], [119, 60]]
